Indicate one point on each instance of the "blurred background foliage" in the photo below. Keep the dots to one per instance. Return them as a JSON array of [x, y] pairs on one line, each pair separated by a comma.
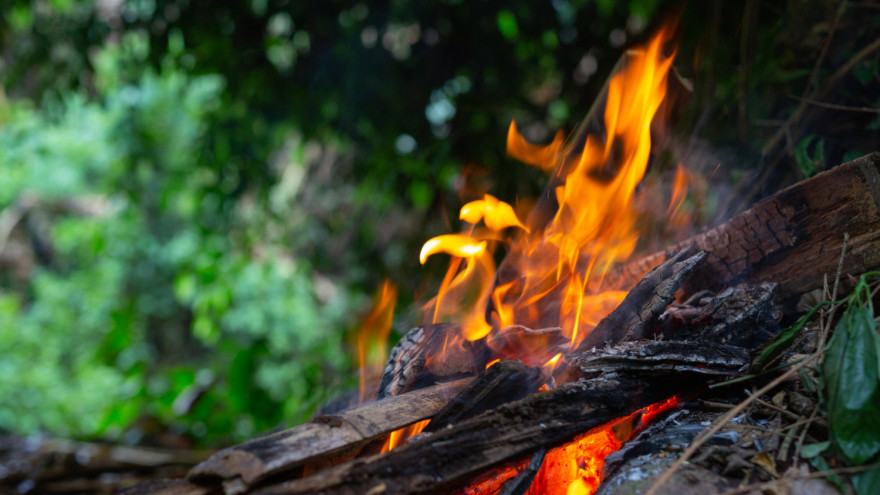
[[198, 196]]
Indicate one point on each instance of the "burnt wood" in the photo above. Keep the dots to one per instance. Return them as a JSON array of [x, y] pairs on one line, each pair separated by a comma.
[[422, 357], [503, 382], [640, 311], [450, 457], [792, 238], [332, 438]]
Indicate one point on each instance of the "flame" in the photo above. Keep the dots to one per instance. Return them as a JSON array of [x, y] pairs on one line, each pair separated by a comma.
[[497, 215], [372, 337], [675, 213], [576, 467], [553, 274], [544, 157], [397, 437]]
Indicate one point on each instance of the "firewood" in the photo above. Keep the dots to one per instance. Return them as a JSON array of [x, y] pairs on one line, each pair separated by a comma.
[[341, 434], [745, 315], [792, 238], [665, 356], [422, 355], [449, 457], [503, 382], [641, 309]]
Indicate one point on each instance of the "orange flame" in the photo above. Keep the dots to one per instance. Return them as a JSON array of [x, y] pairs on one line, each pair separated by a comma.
[[544, 157], [675, 213], [397, 437], [553, 274], [372, 337]]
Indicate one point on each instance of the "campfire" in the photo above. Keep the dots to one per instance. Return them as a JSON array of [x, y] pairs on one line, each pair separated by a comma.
[[524, 376]]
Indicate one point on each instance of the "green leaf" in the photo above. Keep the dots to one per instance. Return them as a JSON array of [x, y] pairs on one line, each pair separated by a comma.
[[814, 449], [851, 376], [867, 483], [807, 163], [783, 340]]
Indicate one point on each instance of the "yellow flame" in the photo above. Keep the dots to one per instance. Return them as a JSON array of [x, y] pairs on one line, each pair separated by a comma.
[[453, 244], [497, 215]]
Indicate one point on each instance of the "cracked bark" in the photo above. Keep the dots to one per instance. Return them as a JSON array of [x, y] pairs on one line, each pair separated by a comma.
[[792, 238]]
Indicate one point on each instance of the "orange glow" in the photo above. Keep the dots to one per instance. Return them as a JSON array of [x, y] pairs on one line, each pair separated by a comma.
[[576, 467], [544, 157], [372, 337], [397, 437], [492, 362], [675, 213]]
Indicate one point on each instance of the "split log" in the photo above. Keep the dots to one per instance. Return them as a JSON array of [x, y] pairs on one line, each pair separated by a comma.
[[791, 238], [412, 363], [501, 383], [449, 457], [640, 311], [341, 435]]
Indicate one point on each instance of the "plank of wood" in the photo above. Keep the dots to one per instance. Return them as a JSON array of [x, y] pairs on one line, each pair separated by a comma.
[[450, 457], [325, 436], [792, 238]]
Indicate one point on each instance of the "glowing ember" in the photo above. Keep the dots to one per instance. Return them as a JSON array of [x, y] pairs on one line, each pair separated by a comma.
[[576, 467]]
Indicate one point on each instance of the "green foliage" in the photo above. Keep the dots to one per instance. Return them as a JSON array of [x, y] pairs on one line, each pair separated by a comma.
[[808, 163], [851, 378], [144, 239], [771, 351]]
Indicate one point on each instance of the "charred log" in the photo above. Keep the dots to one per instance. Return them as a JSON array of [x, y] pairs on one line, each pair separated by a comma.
[[791, 238], [640, 311], [501, 383], [449, 457], [422, 358]]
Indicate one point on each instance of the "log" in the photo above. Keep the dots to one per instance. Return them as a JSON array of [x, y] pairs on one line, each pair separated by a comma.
[[422, 356], [792, 238], [341, 435], [641, 309], [449, 457], [501, 383]]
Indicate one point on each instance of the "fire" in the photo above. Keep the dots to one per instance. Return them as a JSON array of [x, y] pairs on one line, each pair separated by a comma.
[[553, 273], [372, 336], [576, 467], [397, 437]]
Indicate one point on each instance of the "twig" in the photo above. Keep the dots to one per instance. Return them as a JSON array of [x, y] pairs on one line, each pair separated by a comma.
[[827, 326], [834, 106], [800, 444], [719, 423]]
